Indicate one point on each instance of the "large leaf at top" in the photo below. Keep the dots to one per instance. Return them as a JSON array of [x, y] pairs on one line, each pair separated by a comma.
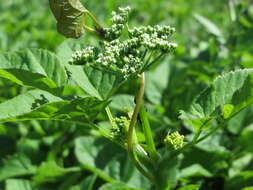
[[228, 94], [108, 161], [41, 105], [95, 82], [70, 16], [34, 67]]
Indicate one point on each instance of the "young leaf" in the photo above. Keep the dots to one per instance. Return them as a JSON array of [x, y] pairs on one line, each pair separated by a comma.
[[70, 16], [34, 67], [223, 91], [41, 105]]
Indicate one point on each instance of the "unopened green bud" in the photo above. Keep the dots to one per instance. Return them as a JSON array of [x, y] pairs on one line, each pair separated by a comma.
[[174, 140], [119, 129]]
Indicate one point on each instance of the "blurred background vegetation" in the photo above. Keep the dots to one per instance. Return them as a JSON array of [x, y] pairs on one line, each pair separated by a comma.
[[214, 37]]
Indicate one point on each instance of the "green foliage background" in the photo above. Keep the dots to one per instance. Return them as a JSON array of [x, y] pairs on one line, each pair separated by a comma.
[[214, 37]]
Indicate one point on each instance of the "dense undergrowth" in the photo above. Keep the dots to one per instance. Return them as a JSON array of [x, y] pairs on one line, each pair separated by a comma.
[[213, 38]]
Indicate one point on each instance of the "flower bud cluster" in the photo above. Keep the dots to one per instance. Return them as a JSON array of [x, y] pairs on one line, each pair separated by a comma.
[[80, 57], [119, 129], [174, 140], [119, 19], [127, 57], [154, 38], [122, 57]]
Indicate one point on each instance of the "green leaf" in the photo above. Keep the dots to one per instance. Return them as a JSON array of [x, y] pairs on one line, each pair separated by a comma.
[[122, 102], [155, 87], [86, 184], [166, 174], [232, 88], [70, 16], [115, 186], [194, 170], [19, 184], [34, 67], [41, 105], [51, 172], [248, 188], [190, 187], [210, 26], [241, 180], [15, 166], [95, 82], [108, 161], [245, 139], [240, 164]]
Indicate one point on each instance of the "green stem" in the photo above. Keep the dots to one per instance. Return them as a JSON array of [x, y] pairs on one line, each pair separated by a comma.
[[98, 26], [208, 134], [148, 133], [130, 144], [109, 114]]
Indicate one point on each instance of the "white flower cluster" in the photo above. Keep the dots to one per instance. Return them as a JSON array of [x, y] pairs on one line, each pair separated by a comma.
[[120, 56], [127, 57], [156, 37], [84, 56], [119, 19]]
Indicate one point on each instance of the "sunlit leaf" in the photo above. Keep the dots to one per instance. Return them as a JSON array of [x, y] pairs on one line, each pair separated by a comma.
[[41, 105], [34, 67], [232, 88]]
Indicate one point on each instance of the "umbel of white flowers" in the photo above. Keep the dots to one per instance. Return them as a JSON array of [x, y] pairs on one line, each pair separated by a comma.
[[130, 56]]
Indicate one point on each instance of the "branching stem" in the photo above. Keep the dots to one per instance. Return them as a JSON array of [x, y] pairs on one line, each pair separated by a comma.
[[130, 140]]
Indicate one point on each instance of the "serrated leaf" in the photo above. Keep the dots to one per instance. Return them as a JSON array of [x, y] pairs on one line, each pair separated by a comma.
[[41, 105], [34, 67], [70, 16], [232, 88]]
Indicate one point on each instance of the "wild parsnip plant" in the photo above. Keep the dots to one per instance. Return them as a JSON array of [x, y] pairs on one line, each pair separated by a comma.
[[123, 54]]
